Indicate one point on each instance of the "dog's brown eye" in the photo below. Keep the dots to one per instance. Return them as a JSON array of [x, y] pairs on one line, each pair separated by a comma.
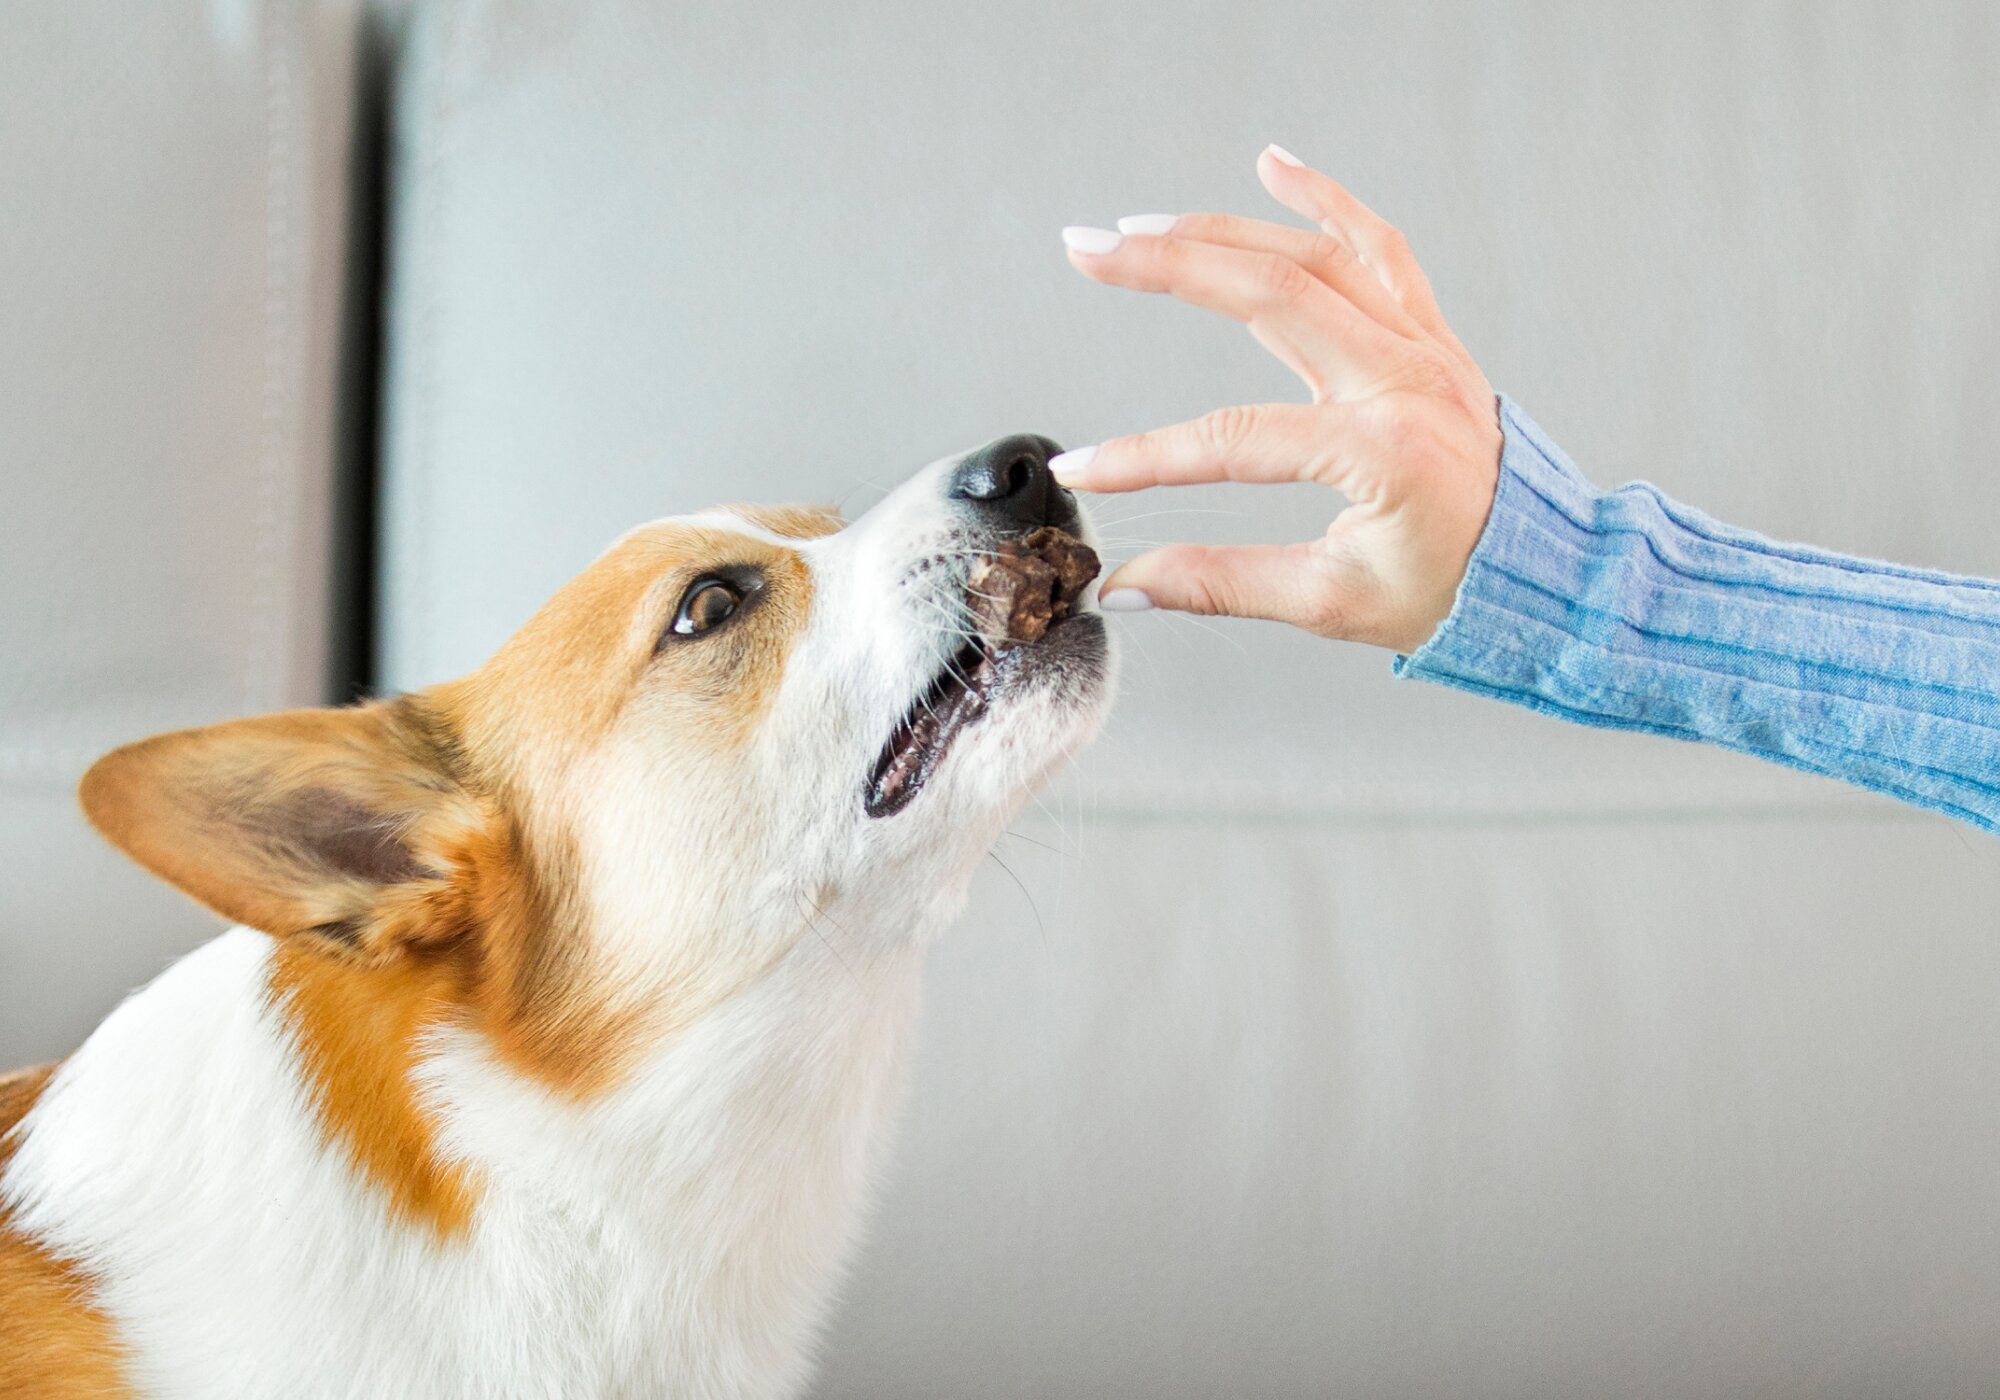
[[709, 602]]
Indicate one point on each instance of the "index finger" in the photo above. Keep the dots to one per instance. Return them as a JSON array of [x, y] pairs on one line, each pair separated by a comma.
[[1254, 443]]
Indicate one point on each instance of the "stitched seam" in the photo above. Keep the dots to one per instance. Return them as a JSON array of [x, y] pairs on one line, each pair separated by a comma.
[[266, 627], [431, 169], [1257, 805]]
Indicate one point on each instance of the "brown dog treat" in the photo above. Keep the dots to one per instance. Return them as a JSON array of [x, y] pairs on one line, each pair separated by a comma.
[[1011, 598], [1074, 561], [1024, 587]]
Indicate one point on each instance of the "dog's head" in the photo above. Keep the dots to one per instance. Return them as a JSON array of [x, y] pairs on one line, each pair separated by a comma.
[[733, 728]]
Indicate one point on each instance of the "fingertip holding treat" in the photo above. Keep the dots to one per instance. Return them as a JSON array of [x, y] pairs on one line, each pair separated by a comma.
[[1069, 468], [1125, 600], [1152, 224], [1283, 156], [1082, 239]]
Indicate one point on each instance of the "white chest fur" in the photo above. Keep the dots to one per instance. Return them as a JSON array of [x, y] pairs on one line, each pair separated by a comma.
[[677, 1236]]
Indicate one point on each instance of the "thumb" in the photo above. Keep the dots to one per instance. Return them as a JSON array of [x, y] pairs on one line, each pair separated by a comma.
[[1303, 584]]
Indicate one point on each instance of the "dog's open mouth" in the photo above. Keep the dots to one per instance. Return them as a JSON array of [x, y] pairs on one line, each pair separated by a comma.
[[1013, 597]]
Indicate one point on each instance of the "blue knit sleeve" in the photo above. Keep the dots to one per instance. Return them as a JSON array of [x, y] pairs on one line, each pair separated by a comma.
[[1628, 610]]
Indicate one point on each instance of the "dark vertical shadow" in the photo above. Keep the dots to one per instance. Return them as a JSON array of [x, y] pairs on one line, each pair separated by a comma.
[[364, 316]]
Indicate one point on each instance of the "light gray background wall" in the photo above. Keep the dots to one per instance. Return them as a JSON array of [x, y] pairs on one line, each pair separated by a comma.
[[1357, 1038]]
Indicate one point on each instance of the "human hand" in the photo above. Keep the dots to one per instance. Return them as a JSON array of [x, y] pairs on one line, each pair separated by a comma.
[[1401, 421]]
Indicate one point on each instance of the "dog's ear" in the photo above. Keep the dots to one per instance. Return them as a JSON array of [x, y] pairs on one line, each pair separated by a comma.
[[351, 826]]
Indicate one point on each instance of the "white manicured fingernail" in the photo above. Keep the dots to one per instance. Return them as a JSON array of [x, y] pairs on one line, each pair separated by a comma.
[[1125, 600], [1279, 153], [1154, 224], [1067, 467], [1091, 240]]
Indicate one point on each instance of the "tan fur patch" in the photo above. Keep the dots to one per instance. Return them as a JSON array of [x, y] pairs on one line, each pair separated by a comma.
[[541, 996], [527, 724], [523, 977], [561, 683], [793, 522], [359, 1033], [54, 1343], [415, 858]]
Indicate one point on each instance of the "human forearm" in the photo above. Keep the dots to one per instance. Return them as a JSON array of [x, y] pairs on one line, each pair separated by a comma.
[[1626, 610]]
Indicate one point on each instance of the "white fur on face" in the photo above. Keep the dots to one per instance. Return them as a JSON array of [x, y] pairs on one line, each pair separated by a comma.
[[745, 844], [892, 616], [677, 1233]]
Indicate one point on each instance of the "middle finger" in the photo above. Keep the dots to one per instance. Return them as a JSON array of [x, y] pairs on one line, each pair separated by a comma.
[[1326, 257], [1337, 349]]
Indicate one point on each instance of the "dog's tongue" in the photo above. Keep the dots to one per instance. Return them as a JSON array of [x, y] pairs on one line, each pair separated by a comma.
[[1027, 586]]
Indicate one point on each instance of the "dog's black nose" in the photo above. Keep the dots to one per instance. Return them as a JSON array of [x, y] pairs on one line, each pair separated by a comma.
[[1009, 483]]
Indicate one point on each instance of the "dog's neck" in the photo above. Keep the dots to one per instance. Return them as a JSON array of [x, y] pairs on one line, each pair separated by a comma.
[[739, 1153], [686, 1224]]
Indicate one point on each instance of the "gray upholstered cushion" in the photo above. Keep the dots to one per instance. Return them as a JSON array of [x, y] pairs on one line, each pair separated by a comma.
[[172, 243]]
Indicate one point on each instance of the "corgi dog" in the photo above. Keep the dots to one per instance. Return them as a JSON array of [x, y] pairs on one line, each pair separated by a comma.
[[550, 1052]]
